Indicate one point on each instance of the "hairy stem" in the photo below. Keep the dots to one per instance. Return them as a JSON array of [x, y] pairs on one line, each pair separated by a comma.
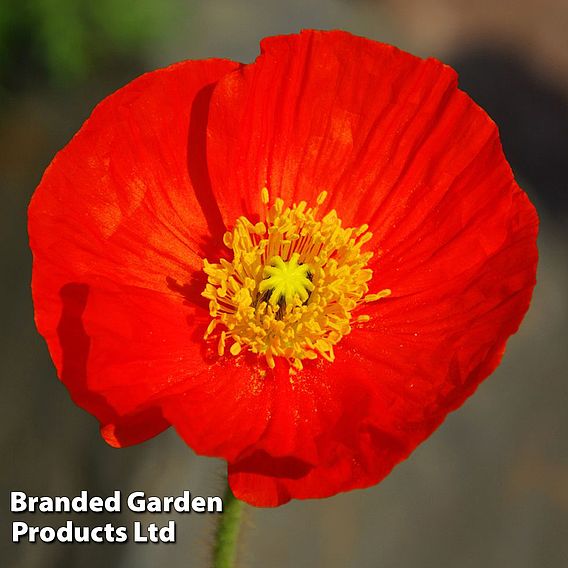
[[228, 532]]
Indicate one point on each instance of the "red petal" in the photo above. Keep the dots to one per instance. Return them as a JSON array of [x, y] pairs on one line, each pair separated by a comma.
[[267, 482], [399, 147], [118, 226], [387, 134], [347, 422], [322, 111], [240, 406]]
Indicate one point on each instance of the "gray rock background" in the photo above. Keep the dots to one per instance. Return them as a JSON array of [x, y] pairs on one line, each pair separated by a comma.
[[490, 488]]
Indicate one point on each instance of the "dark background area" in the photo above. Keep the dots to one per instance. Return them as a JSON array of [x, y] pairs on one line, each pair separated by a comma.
[[490, 488]]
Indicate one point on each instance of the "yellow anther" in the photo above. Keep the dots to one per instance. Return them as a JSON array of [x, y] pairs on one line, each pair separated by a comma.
[[374, 297], [235, 349], [221, 345]]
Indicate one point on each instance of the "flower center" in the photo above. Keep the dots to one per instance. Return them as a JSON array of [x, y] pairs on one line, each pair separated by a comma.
[[285, 281], [293, 285]]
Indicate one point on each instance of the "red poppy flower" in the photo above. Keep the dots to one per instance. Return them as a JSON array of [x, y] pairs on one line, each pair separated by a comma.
[[302, 264]]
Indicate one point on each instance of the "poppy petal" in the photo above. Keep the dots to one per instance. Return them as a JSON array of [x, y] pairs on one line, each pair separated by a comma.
[[262, 409], [118, 227], [398, 147], [322, 111], [348, 424], [390, 136]]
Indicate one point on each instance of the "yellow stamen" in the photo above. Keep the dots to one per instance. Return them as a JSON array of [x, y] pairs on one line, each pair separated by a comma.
[[292, 285], [374, 297]]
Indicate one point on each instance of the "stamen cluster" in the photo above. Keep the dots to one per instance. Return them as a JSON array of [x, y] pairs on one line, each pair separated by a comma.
[[292, 285]]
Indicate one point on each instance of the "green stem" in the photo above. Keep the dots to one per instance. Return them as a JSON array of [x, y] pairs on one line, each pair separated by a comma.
[[227, 532]]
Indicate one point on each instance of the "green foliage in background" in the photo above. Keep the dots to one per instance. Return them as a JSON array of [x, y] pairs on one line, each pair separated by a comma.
[[66, 39]]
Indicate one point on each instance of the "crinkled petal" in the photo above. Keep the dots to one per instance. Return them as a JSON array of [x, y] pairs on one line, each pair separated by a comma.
[[240, 406], [350, 426], [118, 227], [326, 111], [400, 148]]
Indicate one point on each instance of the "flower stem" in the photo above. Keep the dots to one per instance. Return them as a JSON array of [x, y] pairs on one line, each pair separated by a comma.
[[227, 532]]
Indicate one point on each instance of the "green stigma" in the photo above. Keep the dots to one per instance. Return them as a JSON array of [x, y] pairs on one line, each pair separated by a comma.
[[286, 280]]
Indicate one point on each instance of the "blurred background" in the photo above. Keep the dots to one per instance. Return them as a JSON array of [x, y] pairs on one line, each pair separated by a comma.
[[490, 488]]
